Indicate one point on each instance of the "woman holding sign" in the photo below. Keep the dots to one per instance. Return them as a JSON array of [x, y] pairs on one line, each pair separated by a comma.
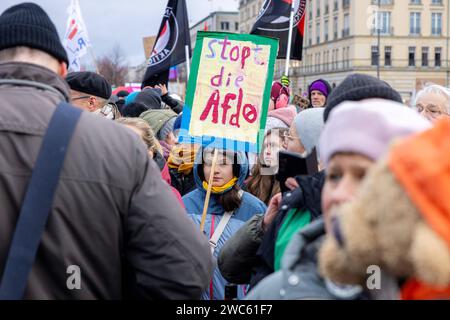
[[229, 207]]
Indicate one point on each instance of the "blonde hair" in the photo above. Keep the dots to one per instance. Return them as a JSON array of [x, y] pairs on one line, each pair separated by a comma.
[[147, 134]]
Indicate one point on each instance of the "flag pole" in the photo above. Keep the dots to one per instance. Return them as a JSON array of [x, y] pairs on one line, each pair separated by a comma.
[[186, 51], [289, 44]]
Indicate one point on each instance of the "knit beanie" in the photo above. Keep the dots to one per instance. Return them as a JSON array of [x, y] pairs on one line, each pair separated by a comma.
[[150, 97], [131, 97], [421, 163], [281, 118], [166, 129], [367, 127], [321, 86], [357, 87], [309, 125], [157, 118], [134, 109], [28, 25]]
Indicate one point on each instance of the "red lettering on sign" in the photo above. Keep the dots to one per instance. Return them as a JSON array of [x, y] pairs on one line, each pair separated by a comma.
[[212, 102]]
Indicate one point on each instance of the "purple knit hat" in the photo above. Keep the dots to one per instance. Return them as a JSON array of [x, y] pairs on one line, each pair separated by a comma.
[[319, 86], [367, 127]]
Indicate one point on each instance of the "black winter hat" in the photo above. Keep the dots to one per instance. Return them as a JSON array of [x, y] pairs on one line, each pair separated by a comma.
[[28, 25], [357, 87], [90, 83], [150, 97], [122, 94], [134, 110]]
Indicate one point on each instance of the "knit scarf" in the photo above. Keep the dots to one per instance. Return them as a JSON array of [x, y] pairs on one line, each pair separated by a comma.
[[182, 158], [219, 190]]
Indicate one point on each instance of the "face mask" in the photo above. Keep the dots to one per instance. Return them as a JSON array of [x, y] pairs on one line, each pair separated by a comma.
[[106, 111]]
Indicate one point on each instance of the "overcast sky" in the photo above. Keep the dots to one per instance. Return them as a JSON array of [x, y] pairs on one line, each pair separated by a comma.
[[111, 22]]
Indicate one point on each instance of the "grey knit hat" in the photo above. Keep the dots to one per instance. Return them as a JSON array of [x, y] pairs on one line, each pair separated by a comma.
[[166, 129]]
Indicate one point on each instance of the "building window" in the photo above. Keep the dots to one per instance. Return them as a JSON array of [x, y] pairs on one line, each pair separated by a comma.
[[319, 66], [310, 10], [318, 32], [348, 57], [335, 27], [318, 8], [345, 4], [424, 56], [383, 22], [415, 1], [436, 24], [346, 30], [236, 26], [336, 5], [414, 23], [225, 25], [337, 58], [310, 36], [437, 56], [388, 56], [412, 57], [436, 2], [374, 55], [325, 26]]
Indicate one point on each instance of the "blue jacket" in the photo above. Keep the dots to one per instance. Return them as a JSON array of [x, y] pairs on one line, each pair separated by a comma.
[[194, 202]]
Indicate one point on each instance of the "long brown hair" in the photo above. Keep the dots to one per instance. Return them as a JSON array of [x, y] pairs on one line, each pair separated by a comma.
[[264, 187]]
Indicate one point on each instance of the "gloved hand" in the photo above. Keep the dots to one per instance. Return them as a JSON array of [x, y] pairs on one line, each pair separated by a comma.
[[285, 81]]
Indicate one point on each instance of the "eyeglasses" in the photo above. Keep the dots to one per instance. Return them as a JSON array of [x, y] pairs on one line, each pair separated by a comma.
[[288, 136], [431, 109], [79, 98]]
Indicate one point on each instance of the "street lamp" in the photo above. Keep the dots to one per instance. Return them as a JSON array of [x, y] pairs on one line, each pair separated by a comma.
[[379, 39]]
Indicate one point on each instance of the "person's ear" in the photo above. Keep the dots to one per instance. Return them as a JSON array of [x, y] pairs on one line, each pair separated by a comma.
[[284, 143], [62, 69], [92, 103]]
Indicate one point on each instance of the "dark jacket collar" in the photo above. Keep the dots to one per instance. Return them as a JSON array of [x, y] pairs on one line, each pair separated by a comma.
[[34, 73]]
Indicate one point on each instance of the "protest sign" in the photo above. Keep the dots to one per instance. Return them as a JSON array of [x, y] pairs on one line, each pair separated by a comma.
[[229, 91]]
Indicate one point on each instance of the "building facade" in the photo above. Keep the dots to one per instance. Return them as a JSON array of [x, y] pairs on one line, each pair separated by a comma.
[[225, 21], [341, 37]]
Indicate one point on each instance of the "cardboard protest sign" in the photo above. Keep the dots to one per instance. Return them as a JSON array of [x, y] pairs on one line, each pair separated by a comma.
[[228, 91]]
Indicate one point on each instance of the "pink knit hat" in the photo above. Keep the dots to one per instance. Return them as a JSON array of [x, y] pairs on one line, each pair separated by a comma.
[[286, 115], [367, 127]]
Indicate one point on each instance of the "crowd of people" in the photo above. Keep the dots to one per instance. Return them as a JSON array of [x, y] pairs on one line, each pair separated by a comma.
[[129, 202]]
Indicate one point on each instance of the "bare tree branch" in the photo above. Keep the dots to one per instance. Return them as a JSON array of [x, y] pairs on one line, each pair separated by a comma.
[[114, 67]]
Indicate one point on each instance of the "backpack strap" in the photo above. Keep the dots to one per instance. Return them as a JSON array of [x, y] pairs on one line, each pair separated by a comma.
[[38, 201]]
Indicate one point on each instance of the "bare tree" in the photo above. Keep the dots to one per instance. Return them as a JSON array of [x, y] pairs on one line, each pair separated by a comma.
[[114, 67]]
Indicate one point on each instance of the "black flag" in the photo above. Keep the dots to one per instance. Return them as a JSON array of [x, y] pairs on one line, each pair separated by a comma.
[[169, 48], [273, 21]]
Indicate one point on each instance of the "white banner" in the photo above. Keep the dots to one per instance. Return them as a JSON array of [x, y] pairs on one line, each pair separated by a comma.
[[76, 40]]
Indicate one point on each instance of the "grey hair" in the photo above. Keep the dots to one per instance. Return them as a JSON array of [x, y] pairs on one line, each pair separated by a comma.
[[434, 88]]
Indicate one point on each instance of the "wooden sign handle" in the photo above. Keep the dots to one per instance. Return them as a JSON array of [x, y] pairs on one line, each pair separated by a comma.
[[208, 192]]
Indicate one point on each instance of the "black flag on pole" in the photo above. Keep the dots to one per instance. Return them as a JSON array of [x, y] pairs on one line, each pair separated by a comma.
[[273, 21], [169, 48]]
